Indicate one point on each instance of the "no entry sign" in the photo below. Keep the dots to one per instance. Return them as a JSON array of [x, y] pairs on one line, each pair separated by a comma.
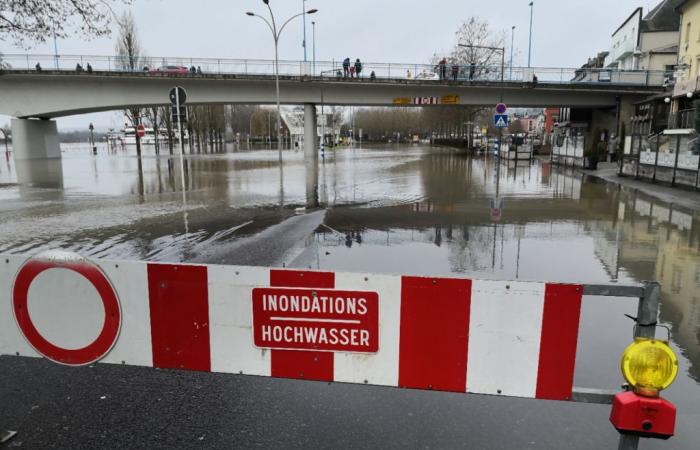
[[316, 319]]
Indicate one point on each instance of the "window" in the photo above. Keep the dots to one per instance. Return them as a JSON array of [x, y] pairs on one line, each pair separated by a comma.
[[687, 33], [697, 66]]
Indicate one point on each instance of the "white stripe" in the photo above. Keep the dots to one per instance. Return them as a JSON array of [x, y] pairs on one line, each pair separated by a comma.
[[381, 368], [505, 327], [11, 339], [231, 320], [130, 280], [317, 320]]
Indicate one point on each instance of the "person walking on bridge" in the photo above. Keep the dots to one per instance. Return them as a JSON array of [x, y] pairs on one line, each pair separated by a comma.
[[346, 67], [455, 71], [358, 67]]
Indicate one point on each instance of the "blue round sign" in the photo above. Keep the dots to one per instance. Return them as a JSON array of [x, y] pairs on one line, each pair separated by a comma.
[[501, 108]]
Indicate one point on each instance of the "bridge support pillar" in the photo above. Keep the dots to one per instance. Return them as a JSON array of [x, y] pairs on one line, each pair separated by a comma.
[[35, 139], [311, 155]]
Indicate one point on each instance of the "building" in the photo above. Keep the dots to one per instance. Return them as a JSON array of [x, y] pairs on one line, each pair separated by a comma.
[[647, 42], [624, 44]]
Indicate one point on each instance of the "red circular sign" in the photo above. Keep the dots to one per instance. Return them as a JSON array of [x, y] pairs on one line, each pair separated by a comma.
[[112, 322], [141, 130]]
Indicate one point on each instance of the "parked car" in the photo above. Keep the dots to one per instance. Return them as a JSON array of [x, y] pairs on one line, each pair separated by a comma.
[[173, 69]]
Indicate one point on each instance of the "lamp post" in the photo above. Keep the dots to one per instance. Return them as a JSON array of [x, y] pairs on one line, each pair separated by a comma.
[[529, 43], [276, 36], [313, 45], [503, 63], [512, 40], [303, 12]]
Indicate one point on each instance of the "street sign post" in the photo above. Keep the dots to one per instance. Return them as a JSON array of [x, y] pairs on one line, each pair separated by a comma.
[[501, 108], [500, 120], [178, 96], [140, 130]]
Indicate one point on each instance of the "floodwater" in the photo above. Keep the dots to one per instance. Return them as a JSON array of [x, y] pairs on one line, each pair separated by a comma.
[[390, 209]]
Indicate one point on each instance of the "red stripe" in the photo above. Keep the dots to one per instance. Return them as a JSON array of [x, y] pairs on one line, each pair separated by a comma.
[[179, 316], [434, 333], [306, 365], [562, 309]]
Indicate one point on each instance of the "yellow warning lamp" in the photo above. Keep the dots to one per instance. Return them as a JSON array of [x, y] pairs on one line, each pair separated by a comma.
[[649, 366]]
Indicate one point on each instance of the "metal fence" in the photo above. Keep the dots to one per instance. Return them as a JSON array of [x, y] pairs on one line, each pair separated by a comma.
[[333, 69], [671, 158]]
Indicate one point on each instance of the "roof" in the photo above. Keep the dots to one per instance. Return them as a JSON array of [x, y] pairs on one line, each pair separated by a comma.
[[663, 17], [637, 10]]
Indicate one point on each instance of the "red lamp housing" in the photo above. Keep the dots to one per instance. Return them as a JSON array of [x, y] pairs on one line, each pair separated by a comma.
[[652, 417]]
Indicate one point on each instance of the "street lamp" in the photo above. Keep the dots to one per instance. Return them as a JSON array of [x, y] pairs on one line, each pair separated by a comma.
[[303, 43], [272, 25], [512, 39], [313, 40], [529, 44], [503, 59]]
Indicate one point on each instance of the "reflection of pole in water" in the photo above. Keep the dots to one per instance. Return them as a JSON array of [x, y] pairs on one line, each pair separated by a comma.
[[140, 183], [517, 258]]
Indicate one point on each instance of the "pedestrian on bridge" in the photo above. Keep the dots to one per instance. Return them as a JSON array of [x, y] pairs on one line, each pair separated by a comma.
[[455, 71], [408, 74], [442, 68], [37, 67], [346, 67], [89, 68], [352, 71], [358, 67]]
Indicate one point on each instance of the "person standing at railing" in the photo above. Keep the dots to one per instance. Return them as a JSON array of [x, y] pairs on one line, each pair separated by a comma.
[[346, 67], [37, 67], [442, 69], [472, 70], [408, 74], [455, 71], [89, 68], [358, 67]]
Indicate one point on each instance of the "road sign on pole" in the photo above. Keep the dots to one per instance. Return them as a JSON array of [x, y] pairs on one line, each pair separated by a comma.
[[501, 108], [140, 130], [178, 96], [500, 120]]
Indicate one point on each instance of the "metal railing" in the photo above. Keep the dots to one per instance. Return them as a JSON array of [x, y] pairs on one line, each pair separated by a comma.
[[684, 118], [332, 69]]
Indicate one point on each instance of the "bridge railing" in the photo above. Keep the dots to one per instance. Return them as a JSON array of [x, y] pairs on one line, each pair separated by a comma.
[[334, 69]]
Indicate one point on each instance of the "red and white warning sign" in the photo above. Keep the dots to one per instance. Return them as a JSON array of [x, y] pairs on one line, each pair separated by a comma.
[[55, 284], [425, 100], [316, 319]]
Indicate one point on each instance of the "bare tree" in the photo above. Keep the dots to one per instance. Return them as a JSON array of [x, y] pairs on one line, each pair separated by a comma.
[[129, 56], [35, 21], [476, 49]]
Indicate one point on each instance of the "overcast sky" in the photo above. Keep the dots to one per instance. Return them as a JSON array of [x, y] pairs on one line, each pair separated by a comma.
[[565, 32]]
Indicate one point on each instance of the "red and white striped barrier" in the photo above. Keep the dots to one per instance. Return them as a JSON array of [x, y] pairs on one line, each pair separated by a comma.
[[450, 334]]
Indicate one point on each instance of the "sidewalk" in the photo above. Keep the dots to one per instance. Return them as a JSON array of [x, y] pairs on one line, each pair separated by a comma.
[[676, 196]]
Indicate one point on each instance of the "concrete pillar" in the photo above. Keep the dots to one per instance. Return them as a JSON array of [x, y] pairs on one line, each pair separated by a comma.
[[310, 138], [35, 139], [311, 155]]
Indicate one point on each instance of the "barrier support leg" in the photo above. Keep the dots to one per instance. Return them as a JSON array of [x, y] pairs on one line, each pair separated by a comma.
[[647, 312], [628, 442]]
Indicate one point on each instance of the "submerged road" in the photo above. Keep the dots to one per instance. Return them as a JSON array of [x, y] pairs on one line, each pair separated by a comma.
[[392, 210]]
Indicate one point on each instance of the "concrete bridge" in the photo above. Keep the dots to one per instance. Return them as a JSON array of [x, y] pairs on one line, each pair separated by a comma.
[[27, 93]]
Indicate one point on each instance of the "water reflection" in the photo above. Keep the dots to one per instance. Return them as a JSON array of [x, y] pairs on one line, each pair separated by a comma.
[[387, 209]]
